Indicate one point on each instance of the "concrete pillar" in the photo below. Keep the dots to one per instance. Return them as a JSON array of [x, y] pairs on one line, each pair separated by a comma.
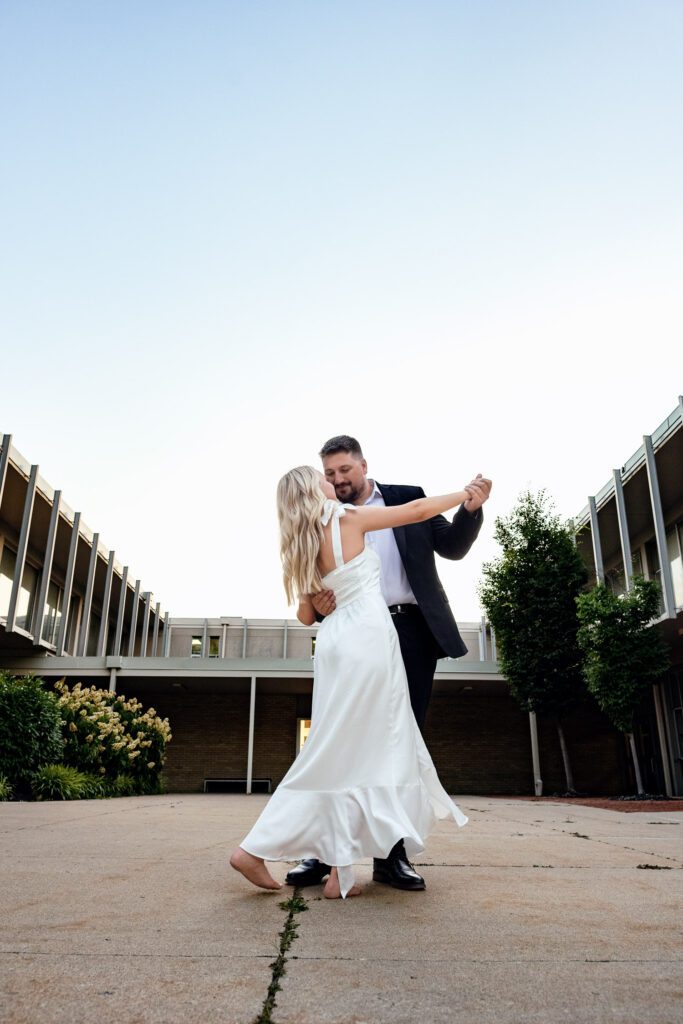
[[250, 746], [4, 461], [39, 610], [21, 550], [663, 739], [660, 531], [134, 620], [121, 612], [68, 584], [82, 645], [106, 599], [623, 529], [595, 537], [535, 758], [155, 631]]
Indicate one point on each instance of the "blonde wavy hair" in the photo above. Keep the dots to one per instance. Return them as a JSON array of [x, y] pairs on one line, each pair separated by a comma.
[[300, 503]]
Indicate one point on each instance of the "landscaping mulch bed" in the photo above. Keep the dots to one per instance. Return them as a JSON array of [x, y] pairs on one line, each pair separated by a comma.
[[614, 803]]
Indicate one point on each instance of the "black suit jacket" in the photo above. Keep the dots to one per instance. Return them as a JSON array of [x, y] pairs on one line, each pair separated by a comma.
[[417, 545]]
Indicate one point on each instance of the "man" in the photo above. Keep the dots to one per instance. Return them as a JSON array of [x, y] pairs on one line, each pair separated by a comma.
[[416, 599]]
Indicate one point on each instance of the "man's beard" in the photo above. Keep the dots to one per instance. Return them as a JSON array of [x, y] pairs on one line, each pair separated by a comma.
[[349, 496]]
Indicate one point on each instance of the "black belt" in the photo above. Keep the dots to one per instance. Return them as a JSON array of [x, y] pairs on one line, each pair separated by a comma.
[[403, 609]]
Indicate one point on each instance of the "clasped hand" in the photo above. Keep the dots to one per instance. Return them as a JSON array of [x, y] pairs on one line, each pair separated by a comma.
[[479, 489]]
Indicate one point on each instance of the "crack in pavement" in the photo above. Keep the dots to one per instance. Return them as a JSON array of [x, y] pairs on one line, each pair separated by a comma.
[[58, 823], [494, 960], [592, 839], [558, 867], [140, 956], [296, 904]]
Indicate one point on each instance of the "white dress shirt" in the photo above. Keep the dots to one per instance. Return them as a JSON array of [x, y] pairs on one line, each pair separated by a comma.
[[394, 582]]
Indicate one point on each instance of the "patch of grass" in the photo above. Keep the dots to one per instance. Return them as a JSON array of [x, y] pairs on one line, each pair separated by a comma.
[[654, 867]]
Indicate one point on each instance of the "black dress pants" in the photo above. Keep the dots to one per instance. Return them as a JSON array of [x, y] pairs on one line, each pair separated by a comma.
[[420, 654]]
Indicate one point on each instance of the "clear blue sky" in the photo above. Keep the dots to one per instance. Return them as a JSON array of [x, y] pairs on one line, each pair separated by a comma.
[[232, 229]]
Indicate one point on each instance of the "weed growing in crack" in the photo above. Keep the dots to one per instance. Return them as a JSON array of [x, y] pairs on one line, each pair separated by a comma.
[[296, 904]]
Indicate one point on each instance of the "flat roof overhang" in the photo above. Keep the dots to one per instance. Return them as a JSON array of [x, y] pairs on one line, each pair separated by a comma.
[[211, 674], [667, 443]]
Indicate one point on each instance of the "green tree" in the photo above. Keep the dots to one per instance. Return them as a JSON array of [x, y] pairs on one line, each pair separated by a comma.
[[30, 729], [529, 594], [623, 653]]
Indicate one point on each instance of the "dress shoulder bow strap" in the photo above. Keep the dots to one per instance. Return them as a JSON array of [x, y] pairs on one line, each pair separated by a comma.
[[332, 508]]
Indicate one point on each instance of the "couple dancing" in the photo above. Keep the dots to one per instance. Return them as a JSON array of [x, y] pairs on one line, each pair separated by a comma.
[[360, 555]]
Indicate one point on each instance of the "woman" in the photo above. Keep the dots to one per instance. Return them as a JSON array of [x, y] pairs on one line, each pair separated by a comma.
[[364, 778]]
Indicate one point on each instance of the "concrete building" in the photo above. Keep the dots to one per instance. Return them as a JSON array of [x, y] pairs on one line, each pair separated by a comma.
[[238, 692], [62, 592], [634, 526]]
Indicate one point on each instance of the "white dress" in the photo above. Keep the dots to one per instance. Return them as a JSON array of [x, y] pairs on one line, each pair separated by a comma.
[[364, 778]]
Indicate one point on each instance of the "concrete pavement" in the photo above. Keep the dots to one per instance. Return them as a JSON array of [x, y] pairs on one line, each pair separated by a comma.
[[126, 910]]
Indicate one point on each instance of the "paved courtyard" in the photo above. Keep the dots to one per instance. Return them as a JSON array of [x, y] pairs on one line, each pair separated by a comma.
[[126, 910]]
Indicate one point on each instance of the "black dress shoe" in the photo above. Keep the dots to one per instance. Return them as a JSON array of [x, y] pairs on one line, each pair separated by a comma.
[[309, 872], [397, 871]]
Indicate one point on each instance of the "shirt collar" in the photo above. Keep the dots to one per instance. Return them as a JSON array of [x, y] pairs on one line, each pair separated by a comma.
[[375, 493]]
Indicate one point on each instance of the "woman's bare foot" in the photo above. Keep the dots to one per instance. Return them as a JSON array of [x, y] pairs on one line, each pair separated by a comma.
[[253, 868], [332, 890]]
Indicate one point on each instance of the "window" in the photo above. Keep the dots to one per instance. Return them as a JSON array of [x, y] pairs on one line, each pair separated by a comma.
[[214, 646], [94, 634], [52, 614], [196, 650], [111, 641], [655, 571], [674, 689], [73, 623], [27, 590], [7, 566], [27, 597], [614, 580], [673, 545], [303, 727]]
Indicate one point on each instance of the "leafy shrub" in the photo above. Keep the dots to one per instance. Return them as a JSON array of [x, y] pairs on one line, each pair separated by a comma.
[[30, 733], [123, 785], [58, 782], [6, 789], [109, 735], [95, 787], [62, 782]]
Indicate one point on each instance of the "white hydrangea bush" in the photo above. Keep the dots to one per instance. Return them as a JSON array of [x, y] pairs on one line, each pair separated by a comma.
[[114, 736]]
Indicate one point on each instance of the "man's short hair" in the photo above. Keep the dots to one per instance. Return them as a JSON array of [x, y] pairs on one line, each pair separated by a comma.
[[341, 443]]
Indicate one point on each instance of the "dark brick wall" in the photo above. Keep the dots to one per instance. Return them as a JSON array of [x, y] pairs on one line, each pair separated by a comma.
[[595, 753], [210, 735], [274, 735], [479, 744]]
